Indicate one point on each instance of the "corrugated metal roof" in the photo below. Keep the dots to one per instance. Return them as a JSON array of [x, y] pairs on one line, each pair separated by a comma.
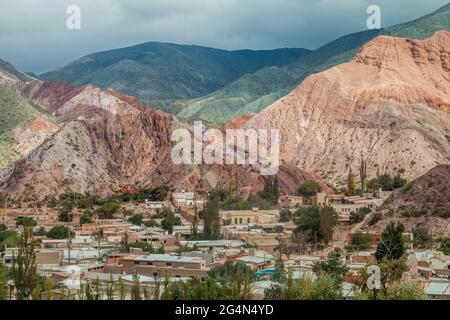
[[436, 288]]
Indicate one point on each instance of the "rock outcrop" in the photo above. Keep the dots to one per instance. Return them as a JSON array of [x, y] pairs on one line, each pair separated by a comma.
[[390, 105]]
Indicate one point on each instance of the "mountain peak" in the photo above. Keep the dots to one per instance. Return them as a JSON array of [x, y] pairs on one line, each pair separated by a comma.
[[401, 53]]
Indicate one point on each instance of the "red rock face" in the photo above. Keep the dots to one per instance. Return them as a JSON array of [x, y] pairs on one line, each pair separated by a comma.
[[390, 105], [109, 140], [51, 96]]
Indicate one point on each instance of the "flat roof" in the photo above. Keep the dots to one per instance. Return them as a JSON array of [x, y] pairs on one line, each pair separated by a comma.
[[169, 258], [213, 243]]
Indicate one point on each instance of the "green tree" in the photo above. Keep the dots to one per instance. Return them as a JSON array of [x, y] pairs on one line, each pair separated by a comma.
[[86, 217], [24, 266], [362, 241], [386, 182], [26, 222], [170, 220], [317, 223], [445, 246], [285, 215], [422, 238], [351, 183], [392, 244], [136, 219], [398, 182], [4, 275], [403, 291], [309, 188], [60, 232], [211, 218], [108, 210], [332, 266], [136, 288], [363, 173], [359, 215]]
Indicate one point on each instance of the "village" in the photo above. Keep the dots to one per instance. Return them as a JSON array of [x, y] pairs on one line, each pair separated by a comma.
[[138, 251]]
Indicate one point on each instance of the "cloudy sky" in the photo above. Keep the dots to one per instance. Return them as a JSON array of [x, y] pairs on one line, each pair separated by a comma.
[[34, 36]]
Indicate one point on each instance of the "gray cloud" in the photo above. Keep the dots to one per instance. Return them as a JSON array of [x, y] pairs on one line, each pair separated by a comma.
[[34, 37]]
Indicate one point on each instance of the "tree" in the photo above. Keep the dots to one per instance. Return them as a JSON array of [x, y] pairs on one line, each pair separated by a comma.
[[359, 215], [24, 266], [362, 241], [136, 219], [136, 288], [392, 244], [211, 218], [392, 271], [271, 190], [60, 232], [351, 184], [445, 246], [422, 238], [325, 287], [309, 188], [398, 182], [86, 217], [26, 222], [332, 266], [108, 210], [4, 275], [404, 291], [285, 215], [317, 223], [363, 174], [386, 182], [276, 189], [329, 219], [169, 220]]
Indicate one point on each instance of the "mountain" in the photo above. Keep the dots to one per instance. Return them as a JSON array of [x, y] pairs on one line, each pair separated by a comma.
[[7, 69], [23, 126], [231, 101], [426, 199], [390, 104], [107, 140], [154, 70]]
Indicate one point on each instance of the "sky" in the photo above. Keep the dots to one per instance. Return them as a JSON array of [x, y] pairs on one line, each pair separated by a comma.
[[34, 36]]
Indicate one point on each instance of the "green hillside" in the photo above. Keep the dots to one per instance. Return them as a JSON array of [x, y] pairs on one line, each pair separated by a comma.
[[158, 71], [14, 112], [229, 102]]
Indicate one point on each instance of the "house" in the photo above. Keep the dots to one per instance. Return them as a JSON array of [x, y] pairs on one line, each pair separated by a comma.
[[156, 205], [254, 216], [291, 202], [183, 198], [255, 262], [166, 265]]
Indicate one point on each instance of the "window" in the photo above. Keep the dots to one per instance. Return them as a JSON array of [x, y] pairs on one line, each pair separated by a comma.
[[236, 221], [248, 220], [240, 220]]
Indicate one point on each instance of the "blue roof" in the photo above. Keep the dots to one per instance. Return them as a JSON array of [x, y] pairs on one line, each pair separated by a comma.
[[436, 288]]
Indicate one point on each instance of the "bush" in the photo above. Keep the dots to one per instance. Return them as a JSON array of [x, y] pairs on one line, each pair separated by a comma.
[[108, 210], [285, 215], [309, 188], [422, 238], [375, 218], [359, 215], [59, 232], [443, 212], [362, 241]]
